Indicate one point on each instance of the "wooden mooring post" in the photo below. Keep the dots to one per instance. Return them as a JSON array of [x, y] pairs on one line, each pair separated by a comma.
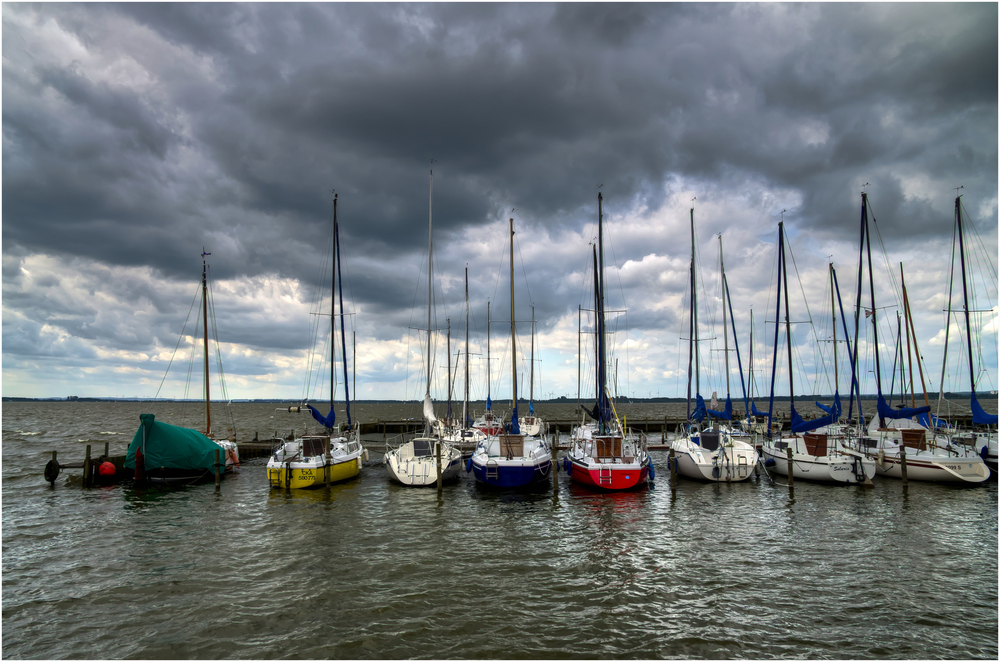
[[86, 468], [902, 463], [791, 477]]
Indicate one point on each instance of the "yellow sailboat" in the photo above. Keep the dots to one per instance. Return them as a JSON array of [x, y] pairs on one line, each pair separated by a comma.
[[321, 459]]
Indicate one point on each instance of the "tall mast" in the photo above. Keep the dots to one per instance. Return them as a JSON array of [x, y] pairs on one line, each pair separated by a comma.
[[777, 327], [333, 305], [833, 313], [725, 331], [871, 289], [514, 428], [788, 324], [343, 333], [465, 402], [965, 292], [430, 292], [602, 367], [694, 309], [204, 301]]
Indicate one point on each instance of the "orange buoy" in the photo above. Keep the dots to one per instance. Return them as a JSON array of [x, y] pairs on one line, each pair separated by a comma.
[[106, 470]]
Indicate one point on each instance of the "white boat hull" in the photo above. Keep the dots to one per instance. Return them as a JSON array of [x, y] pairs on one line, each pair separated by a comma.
[[414, 463], [838, 466], [732, 461]]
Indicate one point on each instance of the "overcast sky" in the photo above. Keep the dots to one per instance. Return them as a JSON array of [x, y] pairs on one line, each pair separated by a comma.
[[136, 134]]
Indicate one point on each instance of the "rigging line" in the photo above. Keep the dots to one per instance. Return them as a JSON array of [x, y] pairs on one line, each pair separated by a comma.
[[194, 299], [969, 224]]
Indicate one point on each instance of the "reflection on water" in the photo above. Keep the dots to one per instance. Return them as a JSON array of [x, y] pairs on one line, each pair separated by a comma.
[[369, 569]]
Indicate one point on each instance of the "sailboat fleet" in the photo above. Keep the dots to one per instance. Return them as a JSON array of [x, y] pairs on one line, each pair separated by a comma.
[[516, 451]]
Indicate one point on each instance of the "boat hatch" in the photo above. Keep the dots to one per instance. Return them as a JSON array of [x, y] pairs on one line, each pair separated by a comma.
[[422, 447], [710, 440], [313, 446]]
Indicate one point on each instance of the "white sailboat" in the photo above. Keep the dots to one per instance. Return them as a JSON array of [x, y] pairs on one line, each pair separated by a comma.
[[337, 454], [721, 454], [430, 459], [811, 450]]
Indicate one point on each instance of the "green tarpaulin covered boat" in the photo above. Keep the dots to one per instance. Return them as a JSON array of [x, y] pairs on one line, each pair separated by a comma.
[[172, 453]]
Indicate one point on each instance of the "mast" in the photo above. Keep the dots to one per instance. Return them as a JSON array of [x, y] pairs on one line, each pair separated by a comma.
[[833, 313], [343, 334], [204, 308], [333, 304], [513, 336], [725, 331], [430, 293], [965, 292], [788, 324], [694, 310], [602, 341], [871, 289], [777, 327], [465, 402]]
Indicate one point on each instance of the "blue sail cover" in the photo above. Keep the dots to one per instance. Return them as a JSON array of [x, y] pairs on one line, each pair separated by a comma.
[[328, 421], [699, 411], [757, 412], [832, 416], [515, 426], [531, 408], [489, 403], [725, 414], [828, 410], [885, 411], [980, 417]]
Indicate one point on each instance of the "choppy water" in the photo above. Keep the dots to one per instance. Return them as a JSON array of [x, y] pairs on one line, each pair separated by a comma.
[[371, 570]]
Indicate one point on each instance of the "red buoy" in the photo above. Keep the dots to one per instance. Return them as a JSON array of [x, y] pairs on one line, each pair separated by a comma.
[[107, 469]]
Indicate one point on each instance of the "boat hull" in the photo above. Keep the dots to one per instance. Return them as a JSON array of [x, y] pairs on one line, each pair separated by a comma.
[[416, 465], [736, 464], [305, 475], [846, 469], [608, 476], [511, 474]]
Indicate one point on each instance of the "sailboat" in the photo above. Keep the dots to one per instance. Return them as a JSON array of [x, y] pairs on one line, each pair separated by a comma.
[[164, 453], [815, 454], [886, 443], [719, 454], [983, 436], [603, 454], [315, 460], [429, 459], [514, 457]]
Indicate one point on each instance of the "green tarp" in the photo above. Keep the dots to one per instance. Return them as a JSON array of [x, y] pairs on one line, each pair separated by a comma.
[[171, 447]]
